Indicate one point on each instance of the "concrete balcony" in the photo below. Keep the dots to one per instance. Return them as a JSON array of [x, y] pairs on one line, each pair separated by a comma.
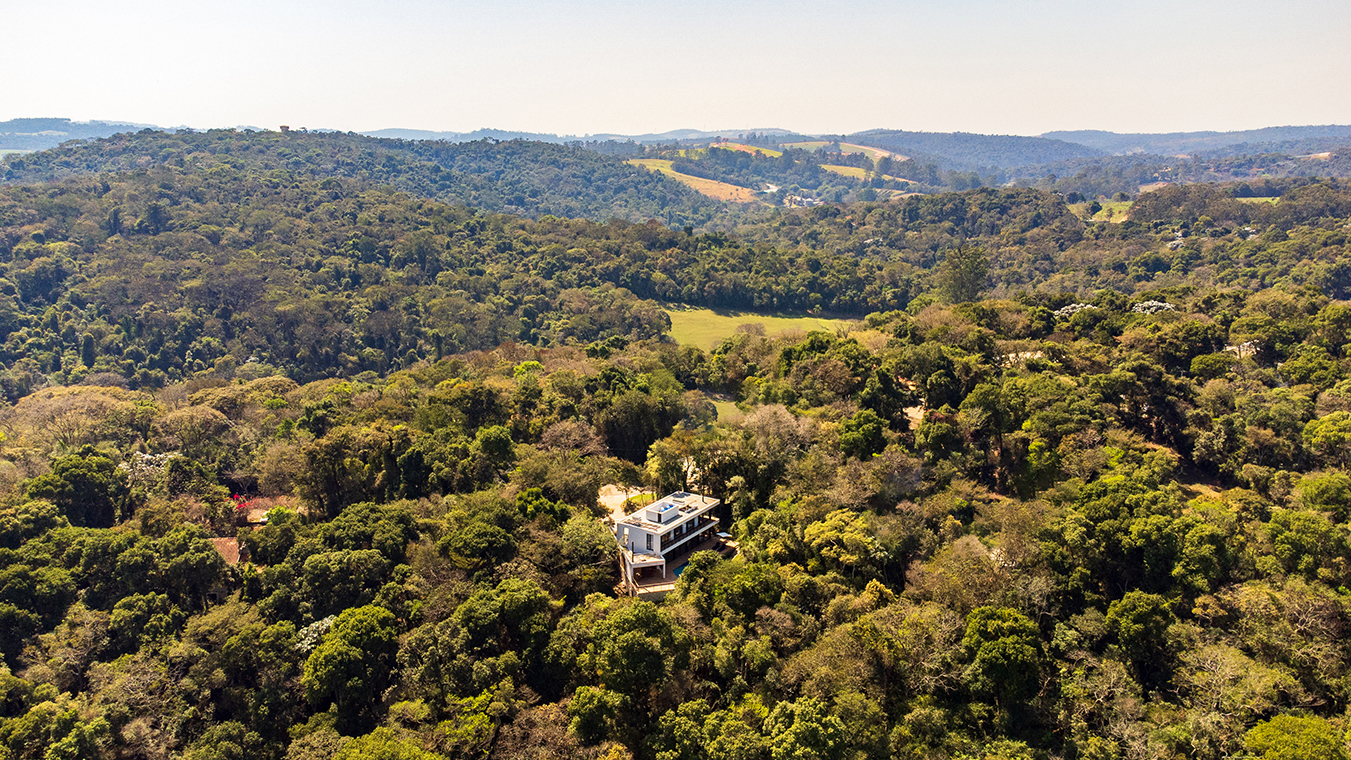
[[654, 583]]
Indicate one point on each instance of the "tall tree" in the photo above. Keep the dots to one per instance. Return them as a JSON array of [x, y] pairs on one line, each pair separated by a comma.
[[961, 278]]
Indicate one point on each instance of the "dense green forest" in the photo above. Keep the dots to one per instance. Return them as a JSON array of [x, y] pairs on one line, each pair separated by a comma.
[[969, 151], [1126, 174], [1063, 490], [516, 176], [158, 274], [1201, 236]]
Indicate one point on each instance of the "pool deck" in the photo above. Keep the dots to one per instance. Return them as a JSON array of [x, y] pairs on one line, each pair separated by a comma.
[[658, 587]]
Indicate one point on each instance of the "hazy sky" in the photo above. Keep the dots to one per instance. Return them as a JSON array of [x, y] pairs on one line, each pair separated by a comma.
[[606, 66]]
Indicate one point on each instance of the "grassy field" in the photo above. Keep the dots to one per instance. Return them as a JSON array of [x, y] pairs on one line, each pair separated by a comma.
[[710, 187], [705, 328], [1112, 211], [750, 149], [662, 165], [727, 410], [873, 153], [848, 171], [858, 173], [1259, 200]]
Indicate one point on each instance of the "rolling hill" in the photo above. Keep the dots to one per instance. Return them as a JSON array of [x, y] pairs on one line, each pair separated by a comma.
[[521, 177], [1174, 143], [39, 134], [961, 150]]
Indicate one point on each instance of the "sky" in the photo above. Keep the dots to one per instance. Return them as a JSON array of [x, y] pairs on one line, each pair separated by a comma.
[[632, 67]]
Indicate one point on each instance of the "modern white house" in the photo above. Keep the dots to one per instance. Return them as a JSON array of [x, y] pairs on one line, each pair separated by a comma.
[[653, 538]]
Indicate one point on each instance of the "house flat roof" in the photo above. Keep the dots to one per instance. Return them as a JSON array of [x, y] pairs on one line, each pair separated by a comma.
[[685, 513], [690, 506]]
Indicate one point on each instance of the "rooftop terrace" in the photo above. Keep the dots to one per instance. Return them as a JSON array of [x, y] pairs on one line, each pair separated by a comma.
[[658, 514]]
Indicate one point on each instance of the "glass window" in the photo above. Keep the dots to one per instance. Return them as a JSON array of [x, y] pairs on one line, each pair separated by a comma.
[[649, 541]]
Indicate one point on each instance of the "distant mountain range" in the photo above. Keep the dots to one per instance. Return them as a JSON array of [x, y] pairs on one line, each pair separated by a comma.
[[40, 134], [963, 151], [504, 134], [478, 134], [43, 133], [1188, 143], [970, 151], [994, 158]]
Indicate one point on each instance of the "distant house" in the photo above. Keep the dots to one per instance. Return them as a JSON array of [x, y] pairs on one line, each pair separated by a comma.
[[233, 551], [652, 539], [230, 550]]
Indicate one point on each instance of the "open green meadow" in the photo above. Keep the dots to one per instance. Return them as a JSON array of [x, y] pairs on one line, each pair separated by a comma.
[[1112, 211], [705, 328], [873, 153], [750, 149], [1272, 200], [727, 410]]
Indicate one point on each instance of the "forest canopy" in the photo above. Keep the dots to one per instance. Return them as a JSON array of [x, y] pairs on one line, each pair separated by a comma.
[[316, 463]]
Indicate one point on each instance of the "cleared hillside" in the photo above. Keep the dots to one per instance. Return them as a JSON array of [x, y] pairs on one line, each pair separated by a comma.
[[712, 188]]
